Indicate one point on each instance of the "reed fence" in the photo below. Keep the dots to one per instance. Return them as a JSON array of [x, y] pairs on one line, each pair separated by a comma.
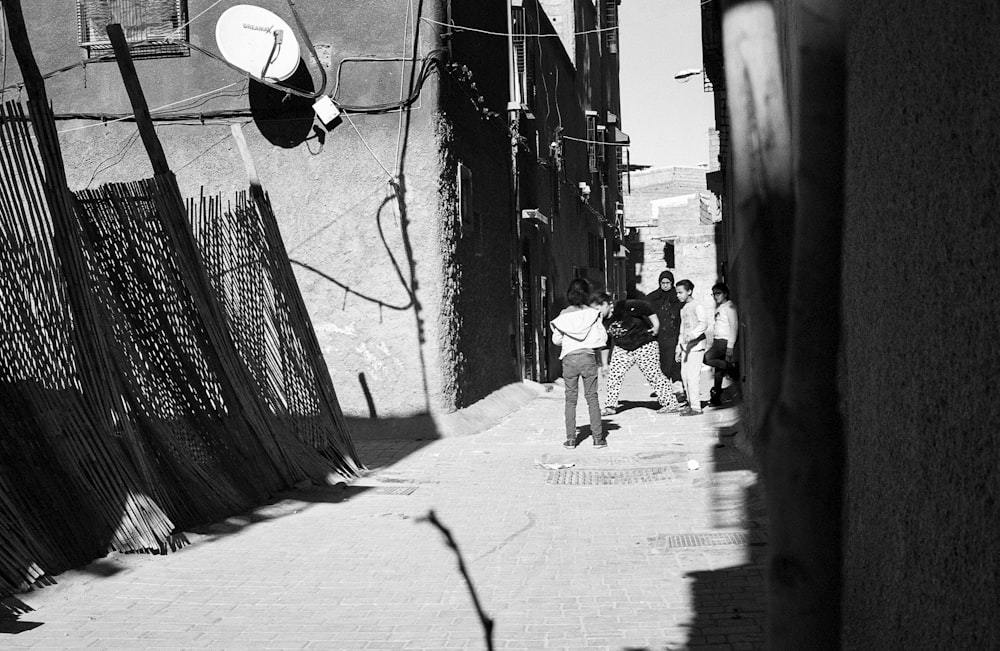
[[158, 368]]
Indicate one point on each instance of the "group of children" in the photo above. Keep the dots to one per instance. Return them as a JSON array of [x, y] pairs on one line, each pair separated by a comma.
[[639, 338]]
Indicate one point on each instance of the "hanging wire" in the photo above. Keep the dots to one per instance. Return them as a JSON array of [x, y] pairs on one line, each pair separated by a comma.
[[347, 115], [131, 115], [462, 28]]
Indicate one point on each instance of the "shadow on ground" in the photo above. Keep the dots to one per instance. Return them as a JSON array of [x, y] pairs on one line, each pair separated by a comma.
[[729, 604]]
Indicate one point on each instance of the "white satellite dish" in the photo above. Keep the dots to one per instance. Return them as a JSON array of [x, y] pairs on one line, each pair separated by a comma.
[[258, 41]]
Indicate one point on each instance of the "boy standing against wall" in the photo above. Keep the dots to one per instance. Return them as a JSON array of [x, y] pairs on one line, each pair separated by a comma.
[[691, 345]]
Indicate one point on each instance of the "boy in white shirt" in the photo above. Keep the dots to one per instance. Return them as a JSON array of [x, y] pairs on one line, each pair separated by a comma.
[[691, 345], [727, 324]]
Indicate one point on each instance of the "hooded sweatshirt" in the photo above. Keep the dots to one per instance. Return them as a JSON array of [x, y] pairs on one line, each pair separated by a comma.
[[580, 329]]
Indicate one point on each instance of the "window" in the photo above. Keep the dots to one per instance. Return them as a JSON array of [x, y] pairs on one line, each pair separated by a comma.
[[595, 251], [523, 55], [611, 21], [149, 26], [602, 163], [668, 254], [620, 172], [592, 140]]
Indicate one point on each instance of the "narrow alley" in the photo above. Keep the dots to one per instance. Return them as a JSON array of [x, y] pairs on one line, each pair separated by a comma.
[[621, 548]]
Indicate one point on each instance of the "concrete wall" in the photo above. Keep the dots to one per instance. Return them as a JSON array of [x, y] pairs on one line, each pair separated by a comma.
[[920, 352], [369, 263]]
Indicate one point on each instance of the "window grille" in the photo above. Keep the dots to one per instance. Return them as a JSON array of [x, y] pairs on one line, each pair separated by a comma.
[[152, 27], [523, 55], [620, 172], [595, 251], [611, 20], [602, 136], [591, 141]]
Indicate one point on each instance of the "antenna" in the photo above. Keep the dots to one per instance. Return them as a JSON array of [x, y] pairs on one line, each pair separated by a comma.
[[257, 41]]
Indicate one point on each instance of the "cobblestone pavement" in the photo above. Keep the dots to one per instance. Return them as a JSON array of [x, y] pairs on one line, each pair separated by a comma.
[[627, 548]]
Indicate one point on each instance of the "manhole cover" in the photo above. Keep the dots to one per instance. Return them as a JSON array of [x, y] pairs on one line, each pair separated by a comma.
[[608, 476], [685, 540], [392, 490]]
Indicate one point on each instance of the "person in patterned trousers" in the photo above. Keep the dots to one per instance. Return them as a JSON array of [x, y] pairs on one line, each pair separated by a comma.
[[633, 325]]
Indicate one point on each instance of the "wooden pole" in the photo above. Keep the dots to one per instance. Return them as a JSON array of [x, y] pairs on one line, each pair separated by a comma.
[[135, 95]]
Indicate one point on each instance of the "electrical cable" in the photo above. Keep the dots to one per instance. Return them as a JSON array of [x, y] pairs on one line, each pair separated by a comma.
[[200, 14], [365, 143], [124, 117], [402, 83], [462, 28], [598, 142], [119, 156]]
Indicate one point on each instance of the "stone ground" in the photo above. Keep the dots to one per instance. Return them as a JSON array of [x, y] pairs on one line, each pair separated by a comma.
[[625, 548]]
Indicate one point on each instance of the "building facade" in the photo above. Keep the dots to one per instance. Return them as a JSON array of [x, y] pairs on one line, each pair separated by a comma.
[[434, 225]]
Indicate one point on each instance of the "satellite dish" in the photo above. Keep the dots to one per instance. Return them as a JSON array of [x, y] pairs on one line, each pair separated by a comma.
[[257, 41]]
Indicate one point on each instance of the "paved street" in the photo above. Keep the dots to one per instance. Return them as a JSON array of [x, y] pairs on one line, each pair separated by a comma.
[[624, 549]]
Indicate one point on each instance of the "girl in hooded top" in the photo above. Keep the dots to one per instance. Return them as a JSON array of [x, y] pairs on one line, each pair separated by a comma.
[[580, 331]]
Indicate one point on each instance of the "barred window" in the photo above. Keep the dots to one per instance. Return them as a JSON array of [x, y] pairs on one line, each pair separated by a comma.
[[153, 28], [592, 141], [610, 23]]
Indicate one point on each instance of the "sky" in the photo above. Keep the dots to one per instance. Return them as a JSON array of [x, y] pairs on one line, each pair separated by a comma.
[[668, 121]]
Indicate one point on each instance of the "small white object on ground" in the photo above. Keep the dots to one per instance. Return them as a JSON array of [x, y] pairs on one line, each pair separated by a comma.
[[555, 466], [693, 464]]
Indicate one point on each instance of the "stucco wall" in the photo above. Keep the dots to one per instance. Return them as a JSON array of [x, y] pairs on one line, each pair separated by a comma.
[[357, 251], [920, 353]]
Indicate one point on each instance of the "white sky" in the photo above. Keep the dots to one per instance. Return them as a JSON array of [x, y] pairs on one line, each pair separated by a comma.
[[668, 121]]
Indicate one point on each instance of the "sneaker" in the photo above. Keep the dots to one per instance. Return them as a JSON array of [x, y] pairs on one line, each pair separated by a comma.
[[669, 410], [609, 411], [600, 443], [569, 444], [691, 412]]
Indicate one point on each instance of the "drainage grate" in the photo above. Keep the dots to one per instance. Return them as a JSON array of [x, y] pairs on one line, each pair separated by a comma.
[[392, 490], [608, 476], [682, 540]]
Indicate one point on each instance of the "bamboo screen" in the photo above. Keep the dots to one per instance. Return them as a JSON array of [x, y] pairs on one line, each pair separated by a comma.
[[157, 366]]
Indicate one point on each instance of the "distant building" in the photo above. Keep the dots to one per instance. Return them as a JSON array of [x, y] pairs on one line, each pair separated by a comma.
[[672, 220]]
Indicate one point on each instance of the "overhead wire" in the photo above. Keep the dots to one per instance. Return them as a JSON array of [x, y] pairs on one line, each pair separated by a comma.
[[199, 15], [464, 28], [364, 142], [402, 83], [597, 142], [124, 117]]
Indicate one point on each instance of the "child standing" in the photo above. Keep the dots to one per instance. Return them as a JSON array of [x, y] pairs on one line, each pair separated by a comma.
[[580, 331]]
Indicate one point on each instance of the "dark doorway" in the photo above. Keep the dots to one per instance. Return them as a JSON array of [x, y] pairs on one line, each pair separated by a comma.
[[529, 369]]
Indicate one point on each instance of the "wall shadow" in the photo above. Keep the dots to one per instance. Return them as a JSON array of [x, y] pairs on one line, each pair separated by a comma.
[[730, 603]]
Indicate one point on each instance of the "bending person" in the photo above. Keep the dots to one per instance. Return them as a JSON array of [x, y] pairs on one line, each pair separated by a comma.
[[633, 325]]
